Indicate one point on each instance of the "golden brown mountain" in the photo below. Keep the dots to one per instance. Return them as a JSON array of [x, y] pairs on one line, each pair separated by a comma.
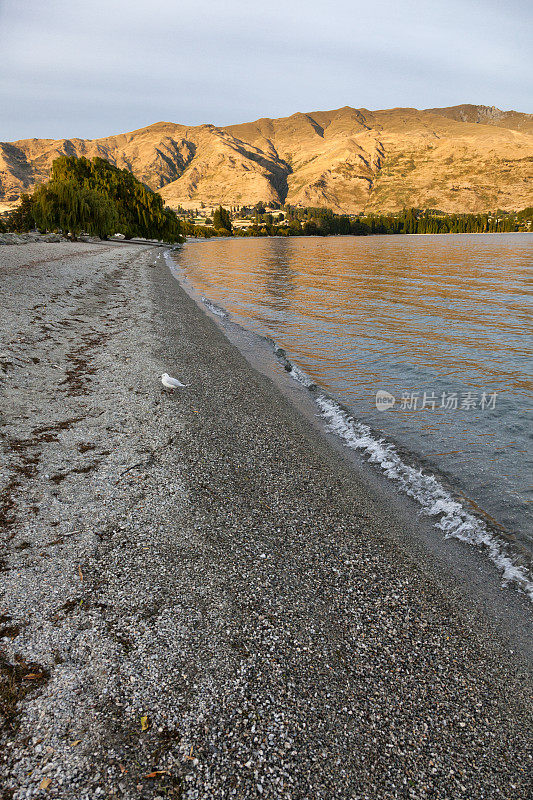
[[459, 159]]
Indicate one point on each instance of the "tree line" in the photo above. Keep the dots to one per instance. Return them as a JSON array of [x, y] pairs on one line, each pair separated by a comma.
[[297, 221], [324, 222]]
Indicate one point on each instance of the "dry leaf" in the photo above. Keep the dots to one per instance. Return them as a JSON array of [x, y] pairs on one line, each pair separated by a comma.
[[45, 783], [80, 573], [122, 768], [73, 744], [33, 676], [145, 724]]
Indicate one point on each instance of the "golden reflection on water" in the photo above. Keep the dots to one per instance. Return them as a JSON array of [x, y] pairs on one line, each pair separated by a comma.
[[417, 313], [448, 305]]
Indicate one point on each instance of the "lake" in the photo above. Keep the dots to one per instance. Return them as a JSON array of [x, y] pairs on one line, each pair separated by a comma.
[[440, 326]]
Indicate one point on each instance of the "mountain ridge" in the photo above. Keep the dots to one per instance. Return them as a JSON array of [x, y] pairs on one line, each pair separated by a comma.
[[464, 158]]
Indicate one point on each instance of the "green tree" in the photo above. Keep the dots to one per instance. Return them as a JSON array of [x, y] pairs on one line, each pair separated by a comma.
[[100, 199], [74, 209], [222, 219], [22, 218]]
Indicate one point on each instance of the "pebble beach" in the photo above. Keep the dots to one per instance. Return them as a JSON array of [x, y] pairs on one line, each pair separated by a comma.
[[198, 599]]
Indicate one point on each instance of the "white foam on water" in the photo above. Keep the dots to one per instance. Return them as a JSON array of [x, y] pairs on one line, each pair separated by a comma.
[[214, 309], [435, 501], [300, 376]]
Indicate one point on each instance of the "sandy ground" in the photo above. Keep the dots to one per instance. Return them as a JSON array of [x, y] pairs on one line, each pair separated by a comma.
[[197, 598]]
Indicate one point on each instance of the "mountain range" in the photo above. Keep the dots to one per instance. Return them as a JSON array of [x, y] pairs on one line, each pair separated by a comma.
[[464, 158]]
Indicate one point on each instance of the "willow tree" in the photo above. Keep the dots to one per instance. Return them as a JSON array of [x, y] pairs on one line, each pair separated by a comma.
[[67, 206], [101, 199]]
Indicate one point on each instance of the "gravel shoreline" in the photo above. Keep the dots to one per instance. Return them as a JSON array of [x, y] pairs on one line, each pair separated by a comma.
[[197, 599]]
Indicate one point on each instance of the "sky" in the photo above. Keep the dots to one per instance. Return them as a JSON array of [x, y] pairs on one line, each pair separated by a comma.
[[91, 68]]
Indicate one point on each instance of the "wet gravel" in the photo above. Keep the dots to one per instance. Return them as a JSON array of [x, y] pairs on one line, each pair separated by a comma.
[[197, 598]]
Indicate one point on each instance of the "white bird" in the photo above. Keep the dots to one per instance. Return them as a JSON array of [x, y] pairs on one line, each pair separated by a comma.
[[171, 383]]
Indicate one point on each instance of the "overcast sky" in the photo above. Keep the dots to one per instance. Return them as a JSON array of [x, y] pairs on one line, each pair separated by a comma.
[[91, 68]]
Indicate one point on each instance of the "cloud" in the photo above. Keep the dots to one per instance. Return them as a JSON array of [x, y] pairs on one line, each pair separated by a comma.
[[109, 66]]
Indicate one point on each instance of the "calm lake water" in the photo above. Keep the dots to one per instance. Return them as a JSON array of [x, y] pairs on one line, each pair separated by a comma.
[[441, 323]]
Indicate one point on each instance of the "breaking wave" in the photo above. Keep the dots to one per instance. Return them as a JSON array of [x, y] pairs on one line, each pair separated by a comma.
[[435, 501], [214, 309]]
